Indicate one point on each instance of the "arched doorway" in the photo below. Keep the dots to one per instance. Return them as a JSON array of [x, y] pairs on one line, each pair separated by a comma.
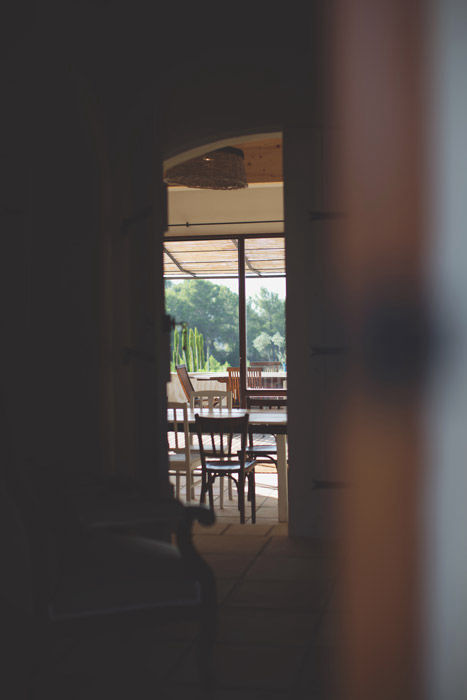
[[228, 248]]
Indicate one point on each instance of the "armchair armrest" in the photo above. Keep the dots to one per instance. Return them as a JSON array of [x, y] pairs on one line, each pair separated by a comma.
[[119, 505], [121, 513]]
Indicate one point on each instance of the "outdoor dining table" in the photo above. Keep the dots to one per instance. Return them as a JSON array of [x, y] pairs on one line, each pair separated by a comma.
[[271, 422]]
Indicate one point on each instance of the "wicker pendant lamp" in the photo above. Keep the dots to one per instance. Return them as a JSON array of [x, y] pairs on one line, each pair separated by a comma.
[[223, 169]]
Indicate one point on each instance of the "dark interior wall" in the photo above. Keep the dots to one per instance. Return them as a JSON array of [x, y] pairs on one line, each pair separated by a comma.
[[64, 285], [155, 98], [50, 258], [257, 90]]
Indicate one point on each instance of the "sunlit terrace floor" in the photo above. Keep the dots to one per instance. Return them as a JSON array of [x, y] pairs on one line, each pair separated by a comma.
[[279, 621], [266, 503]]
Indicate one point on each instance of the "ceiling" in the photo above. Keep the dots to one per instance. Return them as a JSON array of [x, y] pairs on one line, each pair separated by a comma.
[[262, 159], [256, 209]]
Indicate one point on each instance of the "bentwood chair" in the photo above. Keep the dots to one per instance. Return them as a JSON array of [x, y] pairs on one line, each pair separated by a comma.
[[219, 458], [215, 398], [183, 459], [254, 375], [185, 381]]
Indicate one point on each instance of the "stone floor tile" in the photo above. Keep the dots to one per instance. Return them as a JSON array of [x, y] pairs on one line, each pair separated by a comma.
[[216, 529], [301, 547], [269, 502], [224, 589], [266, 519], [280, 529], [271, 512], [229, 543], [226, 565], [290, 595], [227, 512], [269, 567], [272, 627], [261, 529]]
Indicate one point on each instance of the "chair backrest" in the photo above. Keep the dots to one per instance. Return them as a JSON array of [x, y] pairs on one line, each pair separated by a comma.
[[180, 413], [233, 381], [254, 377], [203, 396], [185, 380], [216, 438], [260, 402], [267, 366]]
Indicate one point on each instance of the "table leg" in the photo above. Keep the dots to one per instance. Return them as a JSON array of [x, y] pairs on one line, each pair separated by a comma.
[[282, 484]]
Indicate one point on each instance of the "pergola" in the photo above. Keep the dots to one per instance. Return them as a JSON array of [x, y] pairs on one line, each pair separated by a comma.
[[218, 257]]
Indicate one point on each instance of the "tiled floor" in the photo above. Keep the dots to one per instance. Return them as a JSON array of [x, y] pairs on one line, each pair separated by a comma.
[[278, 622]]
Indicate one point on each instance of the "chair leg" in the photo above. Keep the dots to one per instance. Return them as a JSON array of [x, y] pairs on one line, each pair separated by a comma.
[[252, 490], [210, 491], [188, 485], [221, 493], [241, 498], [230, 490], [204, 488], [177, 485]]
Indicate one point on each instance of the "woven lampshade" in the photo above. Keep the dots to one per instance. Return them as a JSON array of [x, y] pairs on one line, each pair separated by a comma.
[[223, 169]]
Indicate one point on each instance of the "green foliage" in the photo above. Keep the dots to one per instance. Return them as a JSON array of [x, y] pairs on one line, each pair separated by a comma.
[[211, 342], [270, 347], [212, 365], [189, 350], [175, 349], [213, 310], [184, 354]]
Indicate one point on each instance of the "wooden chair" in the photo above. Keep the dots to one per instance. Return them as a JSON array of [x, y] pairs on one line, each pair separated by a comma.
[[233, 384], [268, 368], [254, 375], [185, 381], [215, 399], [219, 459], [182, 458]]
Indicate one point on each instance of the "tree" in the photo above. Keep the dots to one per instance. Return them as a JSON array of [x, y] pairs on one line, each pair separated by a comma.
[[266, 317], [270, 347], [213, 310]]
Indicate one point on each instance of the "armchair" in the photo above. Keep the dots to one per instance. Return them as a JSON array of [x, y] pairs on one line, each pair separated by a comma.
[[89, 574]]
